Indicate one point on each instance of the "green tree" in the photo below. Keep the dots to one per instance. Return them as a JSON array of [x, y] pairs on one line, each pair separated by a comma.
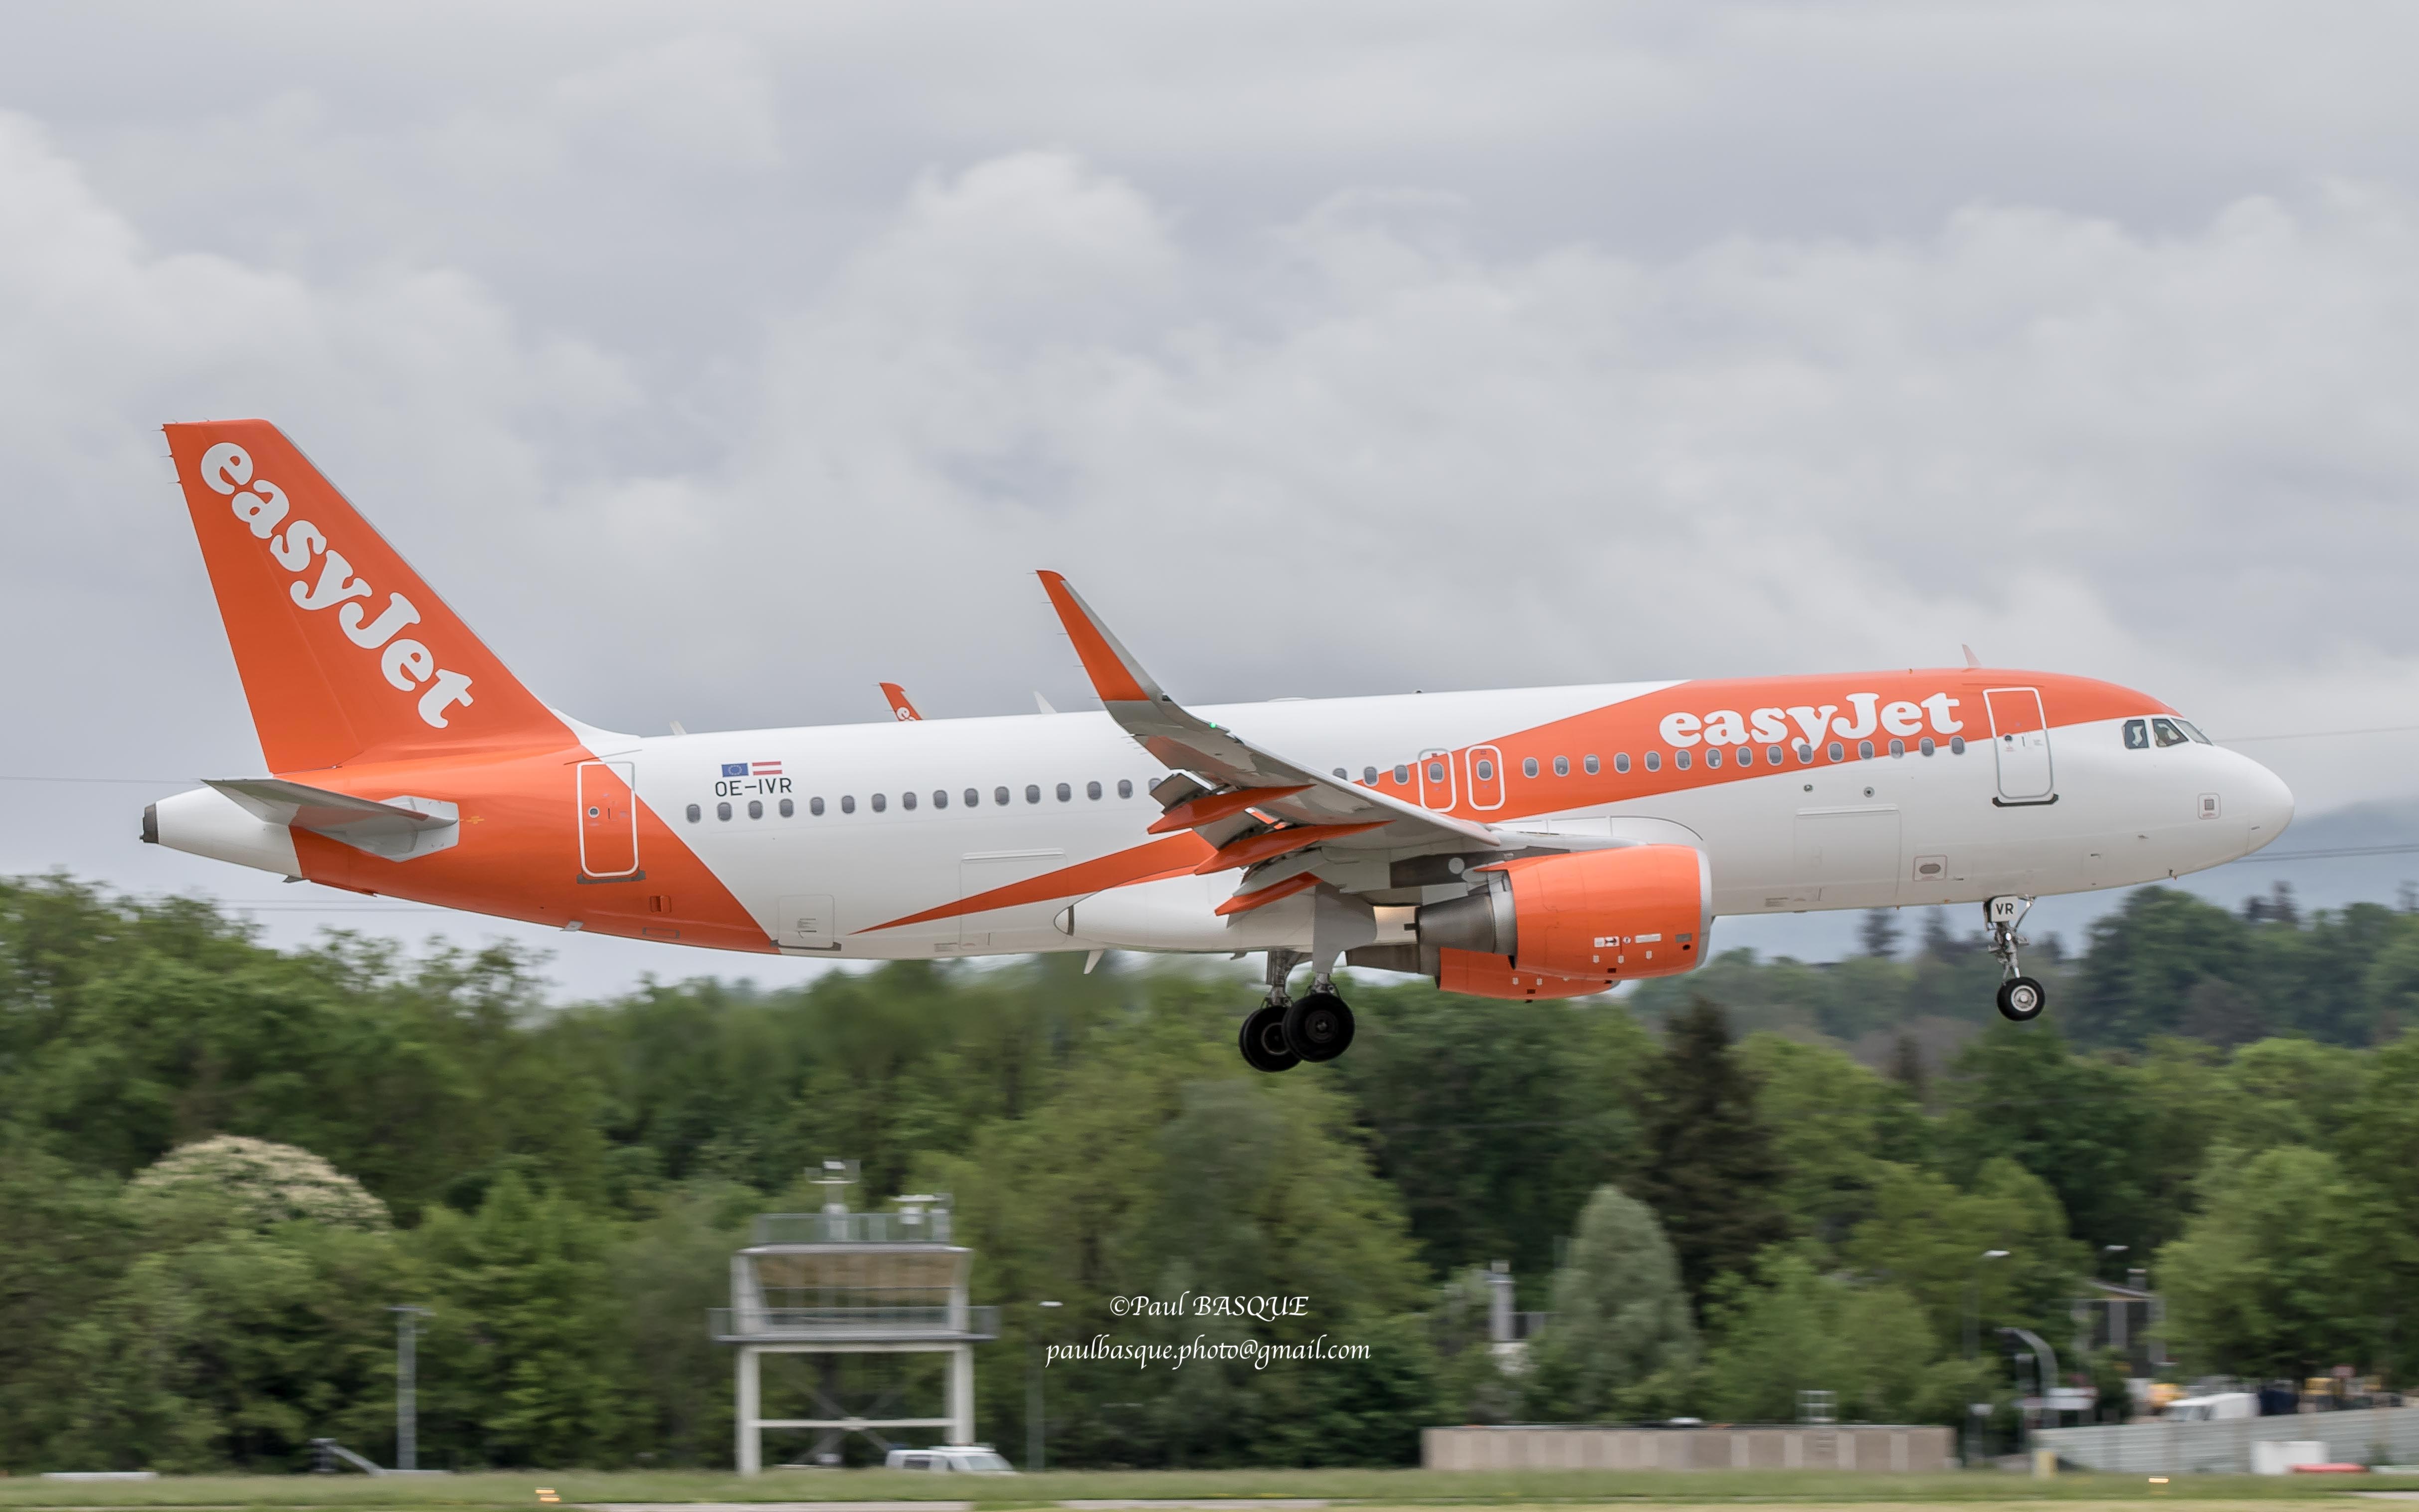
[[1794, 1329], [2276, 1276], [2019, 1093], [2144, 960], [1928, 1238], [1711, 1175], [529, 1364], [1620, 1318], [1833, 1123], [1494, 1120]]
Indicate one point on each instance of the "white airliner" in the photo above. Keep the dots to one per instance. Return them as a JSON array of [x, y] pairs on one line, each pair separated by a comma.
[[1533, 843]]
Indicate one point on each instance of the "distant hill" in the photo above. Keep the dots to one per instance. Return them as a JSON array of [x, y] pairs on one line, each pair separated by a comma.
[[2325, 881]]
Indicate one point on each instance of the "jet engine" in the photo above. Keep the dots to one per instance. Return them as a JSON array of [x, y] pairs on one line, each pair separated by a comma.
[[1561, 926]]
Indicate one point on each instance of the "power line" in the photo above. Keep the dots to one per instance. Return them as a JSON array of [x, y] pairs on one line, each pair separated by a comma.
[[2322, 735], [2336, 854], [127, 781]]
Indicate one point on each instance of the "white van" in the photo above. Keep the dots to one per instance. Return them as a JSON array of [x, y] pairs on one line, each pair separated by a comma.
[[964, 1458], [2224, 1405]]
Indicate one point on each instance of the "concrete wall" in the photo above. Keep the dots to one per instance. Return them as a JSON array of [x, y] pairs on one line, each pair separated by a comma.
[[1858, 1448], [2162, 1448]]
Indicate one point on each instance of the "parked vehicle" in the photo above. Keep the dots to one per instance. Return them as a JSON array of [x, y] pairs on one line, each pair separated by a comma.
[[2224, 1405], [963, 1458]]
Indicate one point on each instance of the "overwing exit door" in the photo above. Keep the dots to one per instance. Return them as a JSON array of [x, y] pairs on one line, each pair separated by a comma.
[[2020, 738], [609, 821]]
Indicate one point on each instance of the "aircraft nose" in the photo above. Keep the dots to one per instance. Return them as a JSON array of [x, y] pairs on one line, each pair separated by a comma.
[[2265, 802]]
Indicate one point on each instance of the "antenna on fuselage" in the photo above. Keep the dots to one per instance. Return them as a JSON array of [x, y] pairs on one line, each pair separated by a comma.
[[1971, 659]]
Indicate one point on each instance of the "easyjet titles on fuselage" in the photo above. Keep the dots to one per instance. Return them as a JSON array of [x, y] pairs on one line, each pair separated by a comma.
[[1771, 726]]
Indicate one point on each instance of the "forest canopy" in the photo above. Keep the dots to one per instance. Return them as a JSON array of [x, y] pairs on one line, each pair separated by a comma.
[[221, 1164]]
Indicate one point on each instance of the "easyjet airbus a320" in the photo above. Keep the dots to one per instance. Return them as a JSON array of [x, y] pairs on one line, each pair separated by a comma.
[[1536, 842]]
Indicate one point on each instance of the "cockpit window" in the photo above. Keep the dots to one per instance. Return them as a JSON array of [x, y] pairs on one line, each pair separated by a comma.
[[2165, 734], [2137, 735], [2192, 730]]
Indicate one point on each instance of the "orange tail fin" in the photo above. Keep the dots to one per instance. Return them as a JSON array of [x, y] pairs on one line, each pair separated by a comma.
[[343, 652]]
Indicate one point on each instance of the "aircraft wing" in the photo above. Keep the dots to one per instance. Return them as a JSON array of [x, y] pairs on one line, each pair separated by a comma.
[[1260, 809]]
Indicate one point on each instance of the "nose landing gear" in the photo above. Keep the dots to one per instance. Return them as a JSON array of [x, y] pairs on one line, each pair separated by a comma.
[[2020, 998]]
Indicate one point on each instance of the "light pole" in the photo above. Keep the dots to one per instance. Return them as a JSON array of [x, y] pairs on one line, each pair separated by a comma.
[[407, 1385], [1972, 1309], [1033, 1402]]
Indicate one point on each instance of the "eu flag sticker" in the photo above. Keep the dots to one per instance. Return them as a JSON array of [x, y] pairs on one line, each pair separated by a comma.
[[735, 768]]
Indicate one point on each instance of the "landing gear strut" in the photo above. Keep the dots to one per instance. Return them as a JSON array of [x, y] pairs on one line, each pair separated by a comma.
[[2020, 998], [1284, 1031]]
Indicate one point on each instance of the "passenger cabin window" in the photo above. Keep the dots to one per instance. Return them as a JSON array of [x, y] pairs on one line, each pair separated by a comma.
[[1092, 789], [815, 807], [789, 810], [1000, 795], [695, 814], [2137, 735], [1747, 755], [1956, 744], [906, 801], [1654, 761], [755, 807], [1927, 747], [1528, 766], [1403, 776], [1680, 760], [1898, 748], [2165, 734], [1805, 751], [1486, 770], [1772, 755], [848, 803], [1590, 765], [1838, 752], [1065, 793], [1125, 787], [722, 810], [1562, 766], [1033, 793], [1864, 751], [1368, 775], [974, 798], [1621, 762], [880, 803], [940, 797]]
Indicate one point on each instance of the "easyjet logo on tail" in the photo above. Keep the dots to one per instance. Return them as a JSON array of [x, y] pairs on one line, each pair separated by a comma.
[[408, 664]]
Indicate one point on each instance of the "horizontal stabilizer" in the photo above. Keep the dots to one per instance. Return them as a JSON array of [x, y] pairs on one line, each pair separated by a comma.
[[397, 829]]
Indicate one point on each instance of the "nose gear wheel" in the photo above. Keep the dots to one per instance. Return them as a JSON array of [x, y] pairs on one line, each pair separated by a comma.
[[2020, 998]]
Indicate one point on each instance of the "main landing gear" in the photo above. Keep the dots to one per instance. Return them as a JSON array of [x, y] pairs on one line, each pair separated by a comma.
[[1284, 1031], [2020, 998]]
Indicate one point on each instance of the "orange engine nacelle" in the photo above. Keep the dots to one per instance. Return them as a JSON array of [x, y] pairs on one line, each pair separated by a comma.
[[1564, 926]]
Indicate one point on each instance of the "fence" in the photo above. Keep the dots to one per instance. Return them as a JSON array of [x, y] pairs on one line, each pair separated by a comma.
[[2158, 1447], [1854, 1447]]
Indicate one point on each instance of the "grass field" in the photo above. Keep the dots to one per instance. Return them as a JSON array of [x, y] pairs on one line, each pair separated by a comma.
[[1370, 1489]]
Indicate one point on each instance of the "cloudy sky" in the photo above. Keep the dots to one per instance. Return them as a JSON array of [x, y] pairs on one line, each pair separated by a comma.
[[718, 360]]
